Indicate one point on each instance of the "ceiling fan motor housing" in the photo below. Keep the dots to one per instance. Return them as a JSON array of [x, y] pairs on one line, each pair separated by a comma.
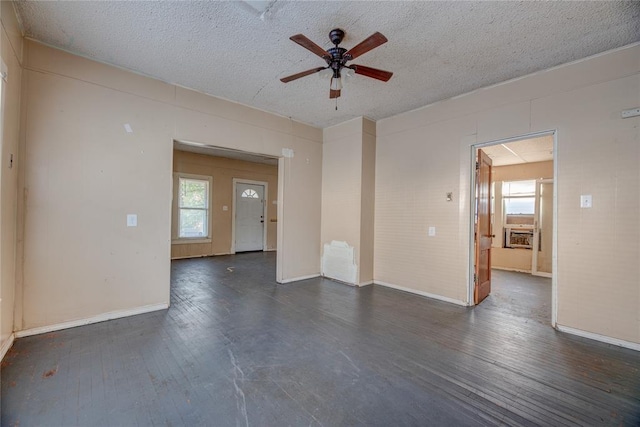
[[337, 59], [336, 35]]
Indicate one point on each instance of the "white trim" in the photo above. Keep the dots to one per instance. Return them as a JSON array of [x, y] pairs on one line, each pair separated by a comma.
[[333, 279], [271, 250], [554, 259], [191, 256], [89, 320], [517, 270], [175, 210], [265, 200], [296, 279], [6, 346], [370, 282], [554, 236], [531, 135], [543, 274], [201, 255], [190, 241], [598, 337], [422, 293], [280, 223], [471, 271]]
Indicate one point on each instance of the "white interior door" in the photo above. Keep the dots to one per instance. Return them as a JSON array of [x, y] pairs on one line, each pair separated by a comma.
[[249, 229]]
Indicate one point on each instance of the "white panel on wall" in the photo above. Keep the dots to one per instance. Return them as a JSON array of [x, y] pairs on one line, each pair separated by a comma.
[[338, 262]]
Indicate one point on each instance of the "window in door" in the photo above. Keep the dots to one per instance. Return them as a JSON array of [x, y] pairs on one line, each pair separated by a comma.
[[250, 194]]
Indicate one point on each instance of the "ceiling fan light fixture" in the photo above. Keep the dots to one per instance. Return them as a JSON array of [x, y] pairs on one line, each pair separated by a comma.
[[347, 76], [325, 74], [336, 83]]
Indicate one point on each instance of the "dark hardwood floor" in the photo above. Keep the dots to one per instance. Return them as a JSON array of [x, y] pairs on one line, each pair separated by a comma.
[[236, 349]]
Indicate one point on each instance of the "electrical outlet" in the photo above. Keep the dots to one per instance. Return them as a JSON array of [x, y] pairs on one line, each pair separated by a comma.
[[432, 231], [586, 201]]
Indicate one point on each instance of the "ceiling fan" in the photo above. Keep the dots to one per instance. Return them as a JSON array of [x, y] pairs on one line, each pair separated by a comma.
[[337, 58]]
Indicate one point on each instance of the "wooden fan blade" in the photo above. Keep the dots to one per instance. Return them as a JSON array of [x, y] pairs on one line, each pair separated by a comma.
[[302, 74], [366, 45], [303, 41], [374, 73], [334, 94]]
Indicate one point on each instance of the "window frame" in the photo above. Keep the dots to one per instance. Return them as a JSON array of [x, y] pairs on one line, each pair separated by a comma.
[[175, 238], [516, 196]]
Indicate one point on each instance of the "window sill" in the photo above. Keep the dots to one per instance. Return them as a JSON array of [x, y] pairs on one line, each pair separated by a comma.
[[189, 241]]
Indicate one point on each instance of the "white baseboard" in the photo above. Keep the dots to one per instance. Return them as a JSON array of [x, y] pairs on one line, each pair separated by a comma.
[[543, 274], [190, 256], [270, 250], [295, 279], [89, 320], [517, 270], [370, 282], [424, 294], [6, 346], [598, 337]]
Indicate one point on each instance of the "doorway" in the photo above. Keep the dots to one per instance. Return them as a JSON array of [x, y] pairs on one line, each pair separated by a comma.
[[207, 206], [513, 215], [248, 215]]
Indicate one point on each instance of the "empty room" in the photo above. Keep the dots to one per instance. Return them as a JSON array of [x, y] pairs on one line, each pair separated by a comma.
[[238, 213]]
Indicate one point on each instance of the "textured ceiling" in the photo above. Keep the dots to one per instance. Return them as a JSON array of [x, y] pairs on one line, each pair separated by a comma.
[[524, 151], [436, 49]]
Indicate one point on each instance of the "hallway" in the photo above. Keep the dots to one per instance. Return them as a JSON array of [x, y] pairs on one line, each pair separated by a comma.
[[520, 295]]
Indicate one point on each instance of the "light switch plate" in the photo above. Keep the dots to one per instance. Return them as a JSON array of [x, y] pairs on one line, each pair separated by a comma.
[[634, 112], [225, 208], [432, 231], [132, 220], [586, 201]]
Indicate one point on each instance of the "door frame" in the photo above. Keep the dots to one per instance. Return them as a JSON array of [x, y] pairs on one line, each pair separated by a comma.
[[237, 181], [472, 211]]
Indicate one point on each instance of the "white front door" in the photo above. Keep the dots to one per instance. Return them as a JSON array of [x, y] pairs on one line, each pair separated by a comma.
[[249, 217]]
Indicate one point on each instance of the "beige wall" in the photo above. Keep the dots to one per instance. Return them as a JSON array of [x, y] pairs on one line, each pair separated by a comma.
[[524, 171], [348, 181], [11, 40], [424, 153], [83, 174], [341, 193], [223, 171], [513, 258]]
